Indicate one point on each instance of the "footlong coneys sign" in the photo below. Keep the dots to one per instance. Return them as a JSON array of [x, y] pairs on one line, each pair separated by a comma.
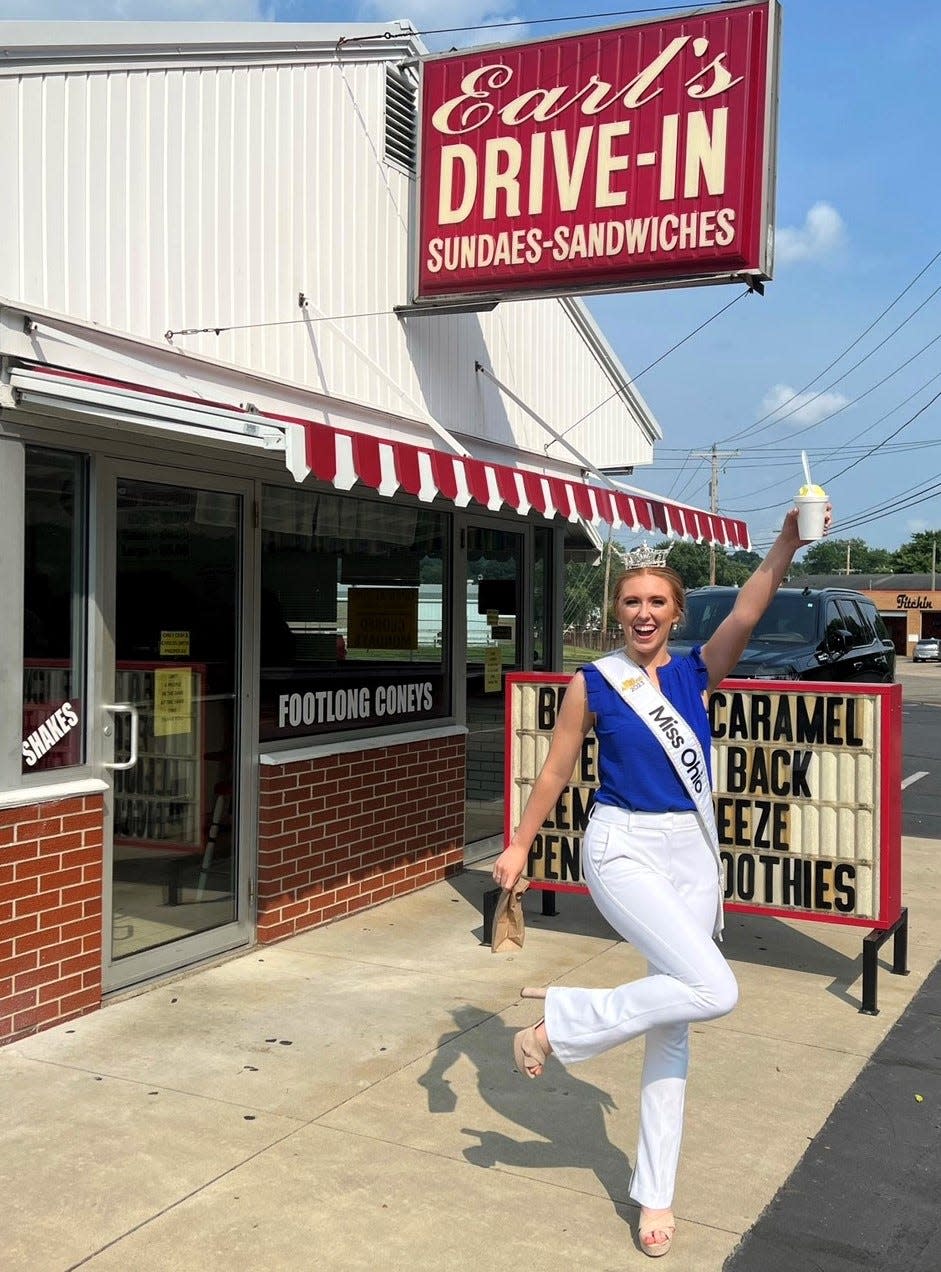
[[807, 796], [632, 157]]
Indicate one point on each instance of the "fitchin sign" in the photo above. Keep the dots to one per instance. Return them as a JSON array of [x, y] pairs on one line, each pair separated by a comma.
[[635, 157]]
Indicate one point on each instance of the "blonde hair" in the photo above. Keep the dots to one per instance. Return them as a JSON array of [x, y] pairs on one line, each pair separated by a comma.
[[665, 572]]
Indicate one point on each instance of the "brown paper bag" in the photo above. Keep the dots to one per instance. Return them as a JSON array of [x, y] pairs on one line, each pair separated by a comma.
[[508, 924]]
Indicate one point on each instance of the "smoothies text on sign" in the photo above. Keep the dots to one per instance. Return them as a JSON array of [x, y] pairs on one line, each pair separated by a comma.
[[632, 157], [807, 785]]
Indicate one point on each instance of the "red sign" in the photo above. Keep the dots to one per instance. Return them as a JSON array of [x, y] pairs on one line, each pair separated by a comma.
[[634, 157]]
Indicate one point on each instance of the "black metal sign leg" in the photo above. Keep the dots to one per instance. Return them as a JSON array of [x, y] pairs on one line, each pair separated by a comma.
[[871, 946]]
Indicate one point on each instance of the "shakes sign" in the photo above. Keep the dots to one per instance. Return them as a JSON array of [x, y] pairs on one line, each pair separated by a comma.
[[807, 783], [639, 156]]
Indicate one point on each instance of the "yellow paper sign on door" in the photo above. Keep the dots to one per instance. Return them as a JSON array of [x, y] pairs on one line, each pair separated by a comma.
[[173, 701], [174, 644], [493, 669]]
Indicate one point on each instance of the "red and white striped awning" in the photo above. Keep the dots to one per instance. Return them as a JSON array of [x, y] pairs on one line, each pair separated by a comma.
[[346, 458]]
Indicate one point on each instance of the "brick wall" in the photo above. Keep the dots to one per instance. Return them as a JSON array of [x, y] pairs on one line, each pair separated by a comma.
[[343, 833], [50, 913]]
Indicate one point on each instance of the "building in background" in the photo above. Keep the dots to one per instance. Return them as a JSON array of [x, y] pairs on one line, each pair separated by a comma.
[[271, 541]]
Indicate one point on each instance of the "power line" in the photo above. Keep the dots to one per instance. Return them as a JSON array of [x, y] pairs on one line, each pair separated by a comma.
[[852, 345], [528, 22], [650, 365], [774, 484]]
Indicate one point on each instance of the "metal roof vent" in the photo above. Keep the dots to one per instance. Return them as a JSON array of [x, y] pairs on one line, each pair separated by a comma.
[[401, 121]]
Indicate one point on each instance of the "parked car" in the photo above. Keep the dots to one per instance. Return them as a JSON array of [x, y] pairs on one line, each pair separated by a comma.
[[805, 634], [928, 649]]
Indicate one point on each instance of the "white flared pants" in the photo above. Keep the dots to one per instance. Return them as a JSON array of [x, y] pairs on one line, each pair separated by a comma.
[[654, 878]]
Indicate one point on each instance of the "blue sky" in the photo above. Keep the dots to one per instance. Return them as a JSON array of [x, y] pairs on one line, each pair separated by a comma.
[[858, 194]]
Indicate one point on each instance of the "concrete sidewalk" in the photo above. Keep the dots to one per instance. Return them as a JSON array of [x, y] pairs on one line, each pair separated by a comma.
[[347, 1100]]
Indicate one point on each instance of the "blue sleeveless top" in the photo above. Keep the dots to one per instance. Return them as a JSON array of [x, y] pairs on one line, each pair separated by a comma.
[[634, 770]]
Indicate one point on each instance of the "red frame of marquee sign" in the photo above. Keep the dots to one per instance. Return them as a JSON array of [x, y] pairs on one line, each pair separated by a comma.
[[631, 157], [890, 796]]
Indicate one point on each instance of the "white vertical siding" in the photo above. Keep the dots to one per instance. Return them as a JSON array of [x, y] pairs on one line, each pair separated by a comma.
[[174, 196]]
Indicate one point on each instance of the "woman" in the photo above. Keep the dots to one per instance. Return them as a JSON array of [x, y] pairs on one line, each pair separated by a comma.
[[649, 855]]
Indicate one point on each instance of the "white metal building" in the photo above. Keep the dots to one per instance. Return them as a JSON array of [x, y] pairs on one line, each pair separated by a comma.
[[229, 459]]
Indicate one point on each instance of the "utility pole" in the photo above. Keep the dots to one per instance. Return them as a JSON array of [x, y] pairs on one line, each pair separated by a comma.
[[847, 556], [714, 456]]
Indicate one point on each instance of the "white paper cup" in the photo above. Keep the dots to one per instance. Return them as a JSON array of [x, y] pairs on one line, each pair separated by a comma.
[[811, 513]]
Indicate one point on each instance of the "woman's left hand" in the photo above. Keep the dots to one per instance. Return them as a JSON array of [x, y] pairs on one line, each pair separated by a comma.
[[789, 527]]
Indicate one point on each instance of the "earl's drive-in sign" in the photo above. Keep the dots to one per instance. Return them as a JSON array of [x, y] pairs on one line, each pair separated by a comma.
[[807, 781], [637, 156]]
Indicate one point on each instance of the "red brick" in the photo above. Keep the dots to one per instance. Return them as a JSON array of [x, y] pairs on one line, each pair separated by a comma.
[[11, 962], [67, 949], [28, 1022], [89, 926], [59, 989], [20, 927], [66, 807], [37, 940], [41, 828], [284, 781], [80, 856], [84, 999], [35, 866], [40, 904], [287, 839], [62, 878], [69, 839], [86, 892], [21, 888], [37, 976], [85, 821], [93, 839], [274, 931], [20, 1002], [13, 816]]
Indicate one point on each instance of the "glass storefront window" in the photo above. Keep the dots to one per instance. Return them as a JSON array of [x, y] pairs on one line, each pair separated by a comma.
[[54, 590], [494, 642], [353, 614], [542, 597]]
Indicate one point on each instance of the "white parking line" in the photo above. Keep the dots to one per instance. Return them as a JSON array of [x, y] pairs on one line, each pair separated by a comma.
[[915, 777]]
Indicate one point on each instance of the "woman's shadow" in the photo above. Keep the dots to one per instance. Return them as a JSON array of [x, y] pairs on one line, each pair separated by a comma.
[[565, 1115]]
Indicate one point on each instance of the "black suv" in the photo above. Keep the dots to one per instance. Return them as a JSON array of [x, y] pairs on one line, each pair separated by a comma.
[[805, 634]]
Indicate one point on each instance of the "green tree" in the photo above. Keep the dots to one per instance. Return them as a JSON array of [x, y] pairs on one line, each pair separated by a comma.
[[584, 588], [828, 556], [915, 556], [880, 561], [690, 560]]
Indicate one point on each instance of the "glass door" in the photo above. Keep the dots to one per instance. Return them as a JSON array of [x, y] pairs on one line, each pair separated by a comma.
[[172, 710], [494, 608]]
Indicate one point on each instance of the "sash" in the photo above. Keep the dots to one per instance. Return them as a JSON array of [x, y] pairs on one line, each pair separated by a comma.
[[678, 740]]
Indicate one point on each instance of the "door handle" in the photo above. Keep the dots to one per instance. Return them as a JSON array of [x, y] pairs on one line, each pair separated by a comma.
[[132, 757]]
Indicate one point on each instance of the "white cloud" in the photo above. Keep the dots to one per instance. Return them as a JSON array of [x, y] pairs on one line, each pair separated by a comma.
[[822, 235], [138, 10], [801, 408]]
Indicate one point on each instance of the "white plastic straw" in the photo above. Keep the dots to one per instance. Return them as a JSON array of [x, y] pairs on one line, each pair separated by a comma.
[[807, 476]]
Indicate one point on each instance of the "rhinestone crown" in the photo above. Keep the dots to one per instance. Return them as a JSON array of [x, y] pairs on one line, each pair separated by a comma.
[[641, 557]]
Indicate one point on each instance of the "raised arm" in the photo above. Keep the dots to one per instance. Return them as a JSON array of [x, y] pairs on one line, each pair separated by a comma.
[[573, 722], [724, 647]]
